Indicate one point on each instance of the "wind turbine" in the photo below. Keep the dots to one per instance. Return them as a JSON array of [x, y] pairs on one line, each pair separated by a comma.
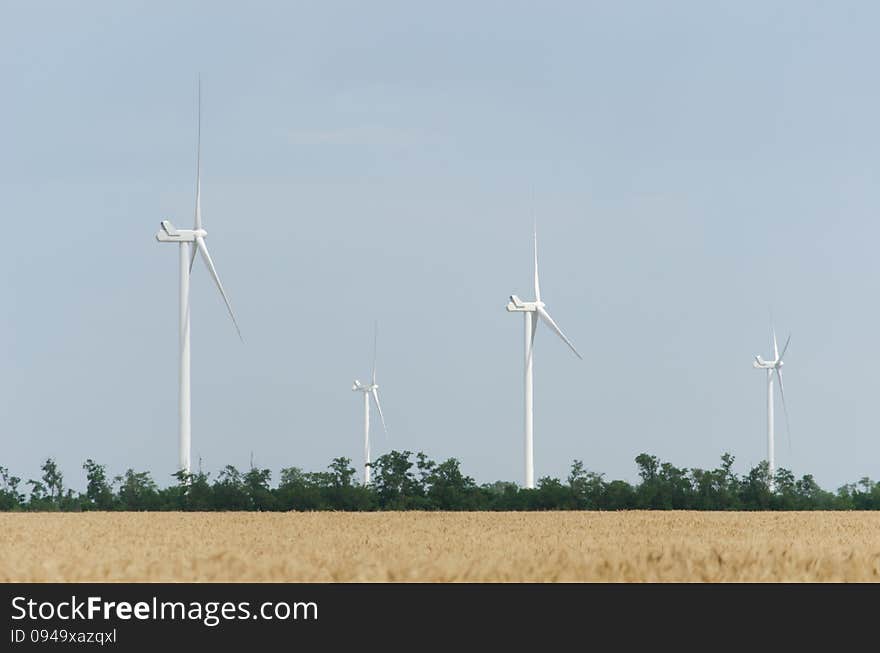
[[531, 312], [189, 241], [773, 367], [370, 389]]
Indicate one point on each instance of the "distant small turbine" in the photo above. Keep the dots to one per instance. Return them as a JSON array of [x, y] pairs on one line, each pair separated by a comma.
[[531, 311], [370, 390], [773, 367]]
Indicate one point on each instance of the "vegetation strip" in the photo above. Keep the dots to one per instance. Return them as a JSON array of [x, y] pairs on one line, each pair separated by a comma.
[[400, 482]]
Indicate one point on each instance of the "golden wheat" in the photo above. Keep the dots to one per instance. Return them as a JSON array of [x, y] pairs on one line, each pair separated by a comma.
[[550, 546]]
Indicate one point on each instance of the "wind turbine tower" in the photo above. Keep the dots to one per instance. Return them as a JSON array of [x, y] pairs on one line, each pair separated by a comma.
[[369, 390], [773, 366]]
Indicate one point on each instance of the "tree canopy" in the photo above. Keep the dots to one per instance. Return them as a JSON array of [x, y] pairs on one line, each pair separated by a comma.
[[406, 481]]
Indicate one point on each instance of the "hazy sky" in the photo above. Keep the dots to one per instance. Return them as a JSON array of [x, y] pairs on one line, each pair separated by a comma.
[[692, 166]]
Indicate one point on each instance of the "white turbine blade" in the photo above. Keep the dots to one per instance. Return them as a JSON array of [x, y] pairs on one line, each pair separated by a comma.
[[375, 393], [537, 282], [375, 341], [534, 324], [207, 257], [785, 348], [192, 260], [198, 219], [549, 320], [784, 407], [775, 346], [198, 223]]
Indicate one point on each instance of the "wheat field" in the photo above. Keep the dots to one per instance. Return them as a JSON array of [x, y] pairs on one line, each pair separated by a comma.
[[404, 547]]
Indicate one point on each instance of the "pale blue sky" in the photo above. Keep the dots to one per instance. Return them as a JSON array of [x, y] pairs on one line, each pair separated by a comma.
[[691, 165]]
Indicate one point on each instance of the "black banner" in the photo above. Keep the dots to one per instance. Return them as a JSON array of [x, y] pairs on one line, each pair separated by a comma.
[[219, 616]]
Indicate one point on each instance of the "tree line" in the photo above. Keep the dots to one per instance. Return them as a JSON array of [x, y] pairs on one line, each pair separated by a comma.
[[406, 481]]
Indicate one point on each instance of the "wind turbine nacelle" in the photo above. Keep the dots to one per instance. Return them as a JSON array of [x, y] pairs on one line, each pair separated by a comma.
[[516, 304], [170, 234]]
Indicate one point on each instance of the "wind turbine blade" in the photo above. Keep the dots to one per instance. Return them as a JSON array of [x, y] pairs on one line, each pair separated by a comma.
[[784, 407], [198, 219], [537, 282], [375, 393], [549, 320], [198, 222], [375, 341], [775, 346], [207, 257], [785, 348], [533, 324]]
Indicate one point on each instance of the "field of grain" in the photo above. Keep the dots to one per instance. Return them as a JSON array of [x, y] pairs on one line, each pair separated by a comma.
[[552, 546]]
